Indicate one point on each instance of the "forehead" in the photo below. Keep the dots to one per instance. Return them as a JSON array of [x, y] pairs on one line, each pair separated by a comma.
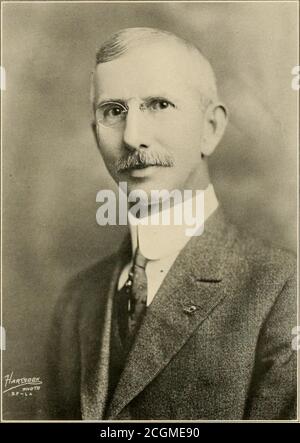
[[153, 69]]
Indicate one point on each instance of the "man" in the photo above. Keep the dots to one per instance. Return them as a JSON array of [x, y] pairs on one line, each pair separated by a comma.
[[171, 327]]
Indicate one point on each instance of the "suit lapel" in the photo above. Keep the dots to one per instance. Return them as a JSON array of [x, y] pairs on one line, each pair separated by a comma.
[[188, 294], [95, 346]]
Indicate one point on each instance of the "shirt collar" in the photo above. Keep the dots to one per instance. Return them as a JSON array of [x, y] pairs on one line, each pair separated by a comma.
[[158, 241]]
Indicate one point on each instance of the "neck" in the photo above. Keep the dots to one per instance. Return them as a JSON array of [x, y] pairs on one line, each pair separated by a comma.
[[199, 178]]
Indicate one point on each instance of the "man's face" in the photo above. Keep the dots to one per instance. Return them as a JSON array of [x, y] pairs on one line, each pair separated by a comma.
[[149, 119]]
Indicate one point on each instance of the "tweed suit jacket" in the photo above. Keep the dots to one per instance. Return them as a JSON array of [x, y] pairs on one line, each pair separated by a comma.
[[216, 342]]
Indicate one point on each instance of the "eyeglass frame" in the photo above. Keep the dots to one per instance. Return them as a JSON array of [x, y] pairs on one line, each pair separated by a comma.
[[144, 106]]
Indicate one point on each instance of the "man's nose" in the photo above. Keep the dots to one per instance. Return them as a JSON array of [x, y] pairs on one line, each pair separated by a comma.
[[136, 133]]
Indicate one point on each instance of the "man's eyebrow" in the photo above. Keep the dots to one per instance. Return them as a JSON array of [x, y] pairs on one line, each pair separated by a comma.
[[122, 101], [110, 100], [160, 96]]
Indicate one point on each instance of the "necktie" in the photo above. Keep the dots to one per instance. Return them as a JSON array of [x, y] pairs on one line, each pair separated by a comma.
[[133, 298]]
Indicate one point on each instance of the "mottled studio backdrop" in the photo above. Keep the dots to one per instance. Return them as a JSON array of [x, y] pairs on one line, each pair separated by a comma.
[[52, 170]]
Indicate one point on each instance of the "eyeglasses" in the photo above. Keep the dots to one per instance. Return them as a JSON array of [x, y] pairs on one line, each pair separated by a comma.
[[113, 113]]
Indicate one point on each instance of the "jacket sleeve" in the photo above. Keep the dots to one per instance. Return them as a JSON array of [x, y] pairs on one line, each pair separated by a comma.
[[273, 390]]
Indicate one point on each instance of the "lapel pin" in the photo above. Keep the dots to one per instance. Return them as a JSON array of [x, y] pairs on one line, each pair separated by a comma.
[[190, 309]]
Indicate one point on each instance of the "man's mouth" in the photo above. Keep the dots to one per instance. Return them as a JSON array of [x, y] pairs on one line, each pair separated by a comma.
[[141, 171], [141, 166]]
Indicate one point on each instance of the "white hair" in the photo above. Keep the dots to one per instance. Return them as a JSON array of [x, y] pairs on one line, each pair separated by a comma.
[[125, 39]]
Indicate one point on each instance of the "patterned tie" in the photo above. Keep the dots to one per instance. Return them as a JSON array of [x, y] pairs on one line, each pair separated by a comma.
[[133, 299]]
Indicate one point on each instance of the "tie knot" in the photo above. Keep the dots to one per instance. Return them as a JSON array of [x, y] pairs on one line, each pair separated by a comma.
[[139, 259]]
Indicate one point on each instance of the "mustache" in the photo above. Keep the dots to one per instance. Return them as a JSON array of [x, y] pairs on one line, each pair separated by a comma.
[[143, 158]]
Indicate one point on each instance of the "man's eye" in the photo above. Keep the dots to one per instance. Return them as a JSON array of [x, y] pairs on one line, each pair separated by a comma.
[[160, 104], [113, 111]]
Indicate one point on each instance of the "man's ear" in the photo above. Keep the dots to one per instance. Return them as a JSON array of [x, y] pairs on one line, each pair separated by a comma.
[[215, 122]]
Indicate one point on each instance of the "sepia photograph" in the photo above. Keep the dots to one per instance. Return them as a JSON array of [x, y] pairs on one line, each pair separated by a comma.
[[149, 211]]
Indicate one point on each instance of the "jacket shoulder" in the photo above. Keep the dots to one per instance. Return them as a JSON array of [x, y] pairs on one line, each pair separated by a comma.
[[264, 257], [264, 273]]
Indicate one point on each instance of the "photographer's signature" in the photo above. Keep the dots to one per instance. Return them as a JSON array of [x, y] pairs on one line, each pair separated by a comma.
[[21, 386]]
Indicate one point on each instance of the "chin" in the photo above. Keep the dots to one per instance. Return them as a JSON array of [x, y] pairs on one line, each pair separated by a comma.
[[149, 185]]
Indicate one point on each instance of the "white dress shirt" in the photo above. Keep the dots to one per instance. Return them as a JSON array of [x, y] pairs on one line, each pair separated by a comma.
[[161, 244]]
